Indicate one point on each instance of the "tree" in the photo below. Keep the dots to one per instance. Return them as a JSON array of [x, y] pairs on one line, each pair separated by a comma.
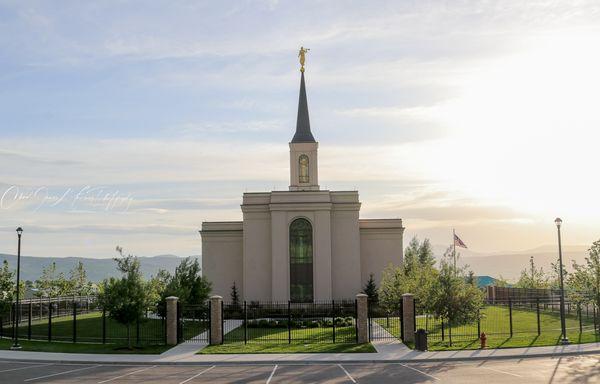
[[52, 283], [188, 284], [235, 297], [78, 282], [126, 298], [452, 297], [157, 286], [533, 277], [426, 258], [7, 288], [411, 255], [370, 289], [471, 279]]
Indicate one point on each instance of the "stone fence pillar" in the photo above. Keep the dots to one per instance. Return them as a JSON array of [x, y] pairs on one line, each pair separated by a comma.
[[362, 318], [408, 317], [172, 320], [216, 320]]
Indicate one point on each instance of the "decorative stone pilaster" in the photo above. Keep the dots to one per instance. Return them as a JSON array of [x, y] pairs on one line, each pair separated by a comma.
[[216, 320], [408, 317], [172, 320], [362, 318]]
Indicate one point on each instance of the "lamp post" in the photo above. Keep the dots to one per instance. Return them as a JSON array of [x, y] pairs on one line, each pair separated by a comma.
[[563, 327], [17, 309]]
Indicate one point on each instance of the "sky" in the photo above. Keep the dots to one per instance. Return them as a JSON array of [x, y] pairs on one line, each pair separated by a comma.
[[131, 122]]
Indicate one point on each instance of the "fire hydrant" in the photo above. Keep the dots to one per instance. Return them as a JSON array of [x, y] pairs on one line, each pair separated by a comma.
[[483, 339]]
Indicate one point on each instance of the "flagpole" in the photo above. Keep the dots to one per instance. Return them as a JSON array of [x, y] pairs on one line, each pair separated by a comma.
[[454, 248]]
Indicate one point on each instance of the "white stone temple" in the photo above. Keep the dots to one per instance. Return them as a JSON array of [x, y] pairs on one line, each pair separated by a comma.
[[304, 244]]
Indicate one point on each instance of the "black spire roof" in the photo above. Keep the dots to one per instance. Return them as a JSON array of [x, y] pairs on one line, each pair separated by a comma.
[[303, 134]]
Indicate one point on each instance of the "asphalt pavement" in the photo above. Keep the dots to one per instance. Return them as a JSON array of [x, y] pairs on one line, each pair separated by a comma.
[[565, 369]]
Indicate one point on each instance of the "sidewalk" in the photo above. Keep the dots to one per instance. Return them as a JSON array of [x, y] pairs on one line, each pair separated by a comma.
[[389, 352]]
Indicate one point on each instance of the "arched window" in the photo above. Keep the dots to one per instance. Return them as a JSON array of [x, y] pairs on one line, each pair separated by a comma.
[[303, 168], [301, 261]]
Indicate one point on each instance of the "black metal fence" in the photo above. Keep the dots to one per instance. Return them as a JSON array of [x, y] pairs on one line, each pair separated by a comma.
[[288, 322], [385, 323], [77, 319], [512, 317], [193, 323]]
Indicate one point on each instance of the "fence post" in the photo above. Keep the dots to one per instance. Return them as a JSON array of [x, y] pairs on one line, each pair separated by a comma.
[[245, 323], [29, 321], [537, 310], [362, 318], [333, 315], [580, 321], [172, 320], [356, 320], [216, 320], [408, 317], [510, 317], [289, 322], [1, 327], [103, 326], [137, 331], [400, 322], [442, 319], [50, 321], [74, 321], [478, 324]]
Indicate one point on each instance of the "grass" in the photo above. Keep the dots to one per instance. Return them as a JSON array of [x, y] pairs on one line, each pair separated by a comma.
[[495, 323], [89, 329], [304, 340], [65, 347]]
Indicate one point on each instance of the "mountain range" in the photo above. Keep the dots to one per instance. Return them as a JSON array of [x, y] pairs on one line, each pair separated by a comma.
[[507, 265], [97, 269]]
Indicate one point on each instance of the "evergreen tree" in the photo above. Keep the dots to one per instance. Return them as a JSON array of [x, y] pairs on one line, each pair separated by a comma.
[[235, 297], [411, 255], [426, 258], [370, 289]]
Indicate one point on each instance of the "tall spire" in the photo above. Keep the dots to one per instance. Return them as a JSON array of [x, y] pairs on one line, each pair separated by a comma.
[[303, 133]]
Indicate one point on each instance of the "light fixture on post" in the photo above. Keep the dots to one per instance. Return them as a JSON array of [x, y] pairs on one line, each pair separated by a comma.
[[564, 340], [17, 317]]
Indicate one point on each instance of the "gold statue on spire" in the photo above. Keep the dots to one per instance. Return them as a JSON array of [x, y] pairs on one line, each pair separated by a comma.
[[302, 57]]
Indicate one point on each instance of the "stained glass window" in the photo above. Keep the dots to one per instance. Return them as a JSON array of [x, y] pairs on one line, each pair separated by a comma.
[[303, 168], [301, 261]]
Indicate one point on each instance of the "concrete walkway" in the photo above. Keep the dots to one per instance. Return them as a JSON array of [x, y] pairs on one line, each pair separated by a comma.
[[391, 353]]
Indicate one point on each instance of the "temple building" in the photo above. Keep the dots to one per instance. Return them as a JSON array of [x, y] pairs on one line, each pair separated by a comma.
[[304, 244]]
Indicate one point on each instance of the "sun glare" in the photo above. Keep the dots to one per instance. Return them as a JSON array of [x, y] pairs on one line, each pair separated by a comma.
[[525, 129]]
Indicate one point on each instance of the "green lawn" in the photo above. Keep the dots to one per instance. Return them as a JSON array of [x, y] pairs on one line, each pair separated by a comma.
[[304, 340], [89, 329], [44, 346], [495, 323]]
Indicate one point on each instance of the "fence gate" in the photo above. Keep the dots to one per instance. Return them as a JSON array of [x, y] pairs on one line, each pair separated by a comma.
[[384, 323], [193, 323]]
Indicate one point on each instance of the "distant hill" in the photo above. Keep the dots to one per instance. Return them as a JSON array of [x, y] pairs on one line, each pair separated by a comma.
[[509, 265], [97, 269]]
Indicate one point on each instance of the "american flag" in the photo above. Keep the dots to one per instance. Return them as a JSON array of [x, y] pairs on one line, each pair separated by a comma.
[[458, 242]]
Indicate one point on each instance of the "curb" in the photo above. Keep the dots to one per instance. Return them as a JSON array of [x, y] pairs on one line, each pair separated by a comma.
[[121, 362]]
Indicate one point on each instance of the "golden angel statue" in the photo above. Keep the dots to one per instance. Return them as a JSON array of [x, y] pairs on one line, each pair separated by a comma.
[[302, 57]]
